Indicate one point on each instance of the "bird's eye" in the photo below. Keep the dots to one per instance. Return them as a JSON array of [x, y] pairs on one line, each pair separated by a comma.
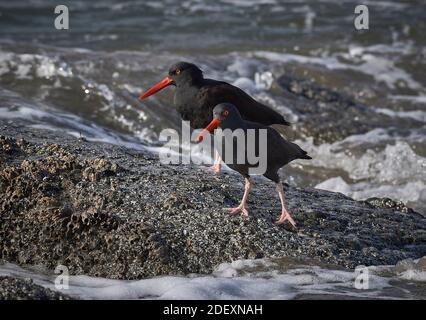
[[177, 71], [225, 113]]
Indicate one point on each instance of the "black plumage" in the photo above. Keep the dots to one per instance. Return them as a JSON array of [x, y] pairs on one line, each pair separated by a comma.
[[196, 96], [279, 151]]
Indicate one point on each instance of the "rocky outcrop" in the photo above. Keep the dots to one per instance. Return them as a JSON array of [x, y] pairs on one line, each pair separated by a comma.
[[109, 211]]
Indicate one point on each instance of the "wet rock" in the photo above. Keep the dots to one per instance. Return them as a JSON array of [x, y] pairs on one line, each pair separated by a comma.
[[25, 289], [404, 265], [389, 203], [327, 115], [421, 264], [103, 210]]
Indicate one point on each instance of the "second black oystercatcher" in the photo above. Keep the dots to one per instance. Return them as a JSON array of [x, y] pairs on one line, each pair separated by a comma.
[[278, 152], [196, 96]]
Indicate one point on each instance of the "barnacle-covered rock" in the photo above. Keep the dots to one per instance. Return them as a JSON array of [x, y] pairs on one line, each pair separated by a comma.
[[102, 210], [26, 289]]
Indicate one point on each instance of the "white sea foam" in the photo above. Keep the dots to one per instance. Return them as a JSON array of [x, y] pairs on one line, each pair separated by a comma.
[[416, 114], [397, 162], [246, 84], [410, 191], [414, 275], [28, 66], [249, 3], [68, 123], [393, 170], [371, 60], [241, 279], [417, 99]]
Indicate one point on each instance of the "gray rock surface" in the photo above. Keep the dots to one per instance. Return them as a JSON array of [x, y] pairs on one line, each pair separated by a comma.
[[25, 289], [104, 210]]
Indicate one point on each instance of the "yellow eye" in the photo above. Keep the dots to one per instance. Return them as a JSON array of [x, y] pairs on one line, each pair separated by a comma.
[[178, 71], [225, 113]]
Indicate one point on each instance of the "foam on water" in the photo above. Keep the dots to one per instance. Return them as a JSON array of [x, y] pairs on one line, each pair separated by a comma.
[[377, 61], [408, 192], [29, 66], [414, 275], [418, 99], [68, 123], [241, 279], [249, 3], [375, 164], [397, 162], [415, 114]]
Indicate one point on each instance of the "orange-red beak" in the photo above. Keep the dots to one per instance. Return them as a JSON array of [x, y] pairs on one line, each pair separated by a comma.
[[209, 129], [161, 85]]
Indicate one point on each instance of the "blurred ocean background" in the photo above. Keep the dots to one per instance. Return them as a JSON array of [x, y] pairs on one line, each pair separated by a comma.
[[86, 80]]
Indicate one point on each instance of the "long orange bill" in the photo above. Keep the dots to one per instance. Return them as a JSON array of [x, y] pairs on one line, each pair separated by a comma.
[[161, 85], [209, 129]]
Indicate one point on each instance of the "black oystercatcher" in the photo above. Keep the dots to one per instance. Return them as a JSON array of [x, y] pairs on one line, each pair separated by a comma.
[[196, 96], [279, 152]]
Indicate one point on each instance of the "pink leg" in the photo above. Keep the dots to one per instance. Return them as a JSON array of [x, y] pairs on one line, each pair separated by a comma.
[[215, 168], [284, 213], [242, 207]]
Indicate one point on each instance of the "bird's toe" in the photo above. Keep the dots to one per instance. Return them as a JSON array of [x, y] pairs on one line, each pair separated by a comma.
[[244, 213], [233, 211], [214, 169], [285, 216]]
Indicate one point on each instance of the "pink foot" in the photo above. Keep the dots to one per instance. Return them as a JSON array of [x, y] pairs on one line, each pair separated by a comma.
[[284, 217], [214, 168], [240, 209]]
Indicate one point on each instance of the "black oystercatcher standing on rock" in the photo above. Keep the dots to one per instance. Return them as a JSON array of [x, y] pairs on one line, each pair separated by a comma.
[[195, 97], [279, 152]]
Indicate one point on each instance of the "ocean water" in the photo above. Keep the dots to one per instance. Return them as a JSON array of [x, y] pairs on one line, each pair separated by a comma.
[[268, 279], [86, 80]]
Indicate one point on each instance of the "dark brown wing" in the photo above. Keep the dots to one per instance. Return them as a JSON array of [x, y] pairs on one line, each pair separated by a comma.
[[214, 92], [284, 151]]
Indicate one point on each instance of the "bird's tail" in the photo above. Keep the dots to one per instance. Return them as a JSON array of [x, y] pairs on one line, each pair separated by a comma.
[[295, 152], [305, 155], [301, 154]]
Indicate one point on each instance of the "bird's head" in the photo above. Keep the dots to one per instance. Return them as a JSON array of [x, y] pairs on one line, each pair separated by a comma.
[[180, 74], [225, 115]]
